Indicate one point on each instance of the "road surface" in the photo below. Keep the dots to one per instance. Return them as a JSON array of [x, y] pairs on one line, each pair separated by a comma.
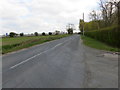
[[63, 63]]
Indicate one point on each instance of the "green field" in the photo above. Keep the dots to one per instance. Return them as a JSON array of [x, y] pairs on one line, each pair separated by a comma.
[[97, 44], [12, 44]]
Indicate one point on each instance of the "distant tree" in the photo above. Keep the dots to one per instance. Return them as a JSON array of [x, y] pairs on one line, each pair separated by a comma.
[[81, 25], [43, 34], [21, 34], [50, 33], [12, 34], [70, 28], [36, 33]]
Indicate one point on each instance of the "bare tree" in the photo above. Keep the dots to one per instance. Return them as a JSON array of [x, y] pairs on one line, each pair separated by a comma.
[[108, 9], [117, 5], [94, 16]]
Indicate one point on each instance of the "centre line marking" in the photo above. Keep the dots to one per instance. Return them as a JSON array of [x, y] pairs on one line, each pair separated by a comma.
[[34, 56]]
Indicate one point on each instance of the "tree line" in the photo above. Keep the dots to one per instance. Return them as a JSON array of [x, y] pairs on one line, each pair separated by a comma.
[[108, 15], [13, 34], [69, 28], [104, 25]]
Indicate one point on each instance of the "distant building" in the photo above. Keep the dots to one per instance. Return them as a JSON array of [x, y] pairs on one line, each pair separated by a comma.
[[57, 32]]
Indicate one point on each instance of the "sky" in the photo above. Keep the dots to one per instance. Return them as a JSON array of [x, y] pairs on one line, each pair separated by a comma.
[[29, 16]]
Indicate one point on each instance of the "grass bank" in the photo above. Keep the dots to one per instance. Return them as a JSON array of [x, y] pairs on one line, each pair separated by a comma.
[[97, 44], [17, 43]]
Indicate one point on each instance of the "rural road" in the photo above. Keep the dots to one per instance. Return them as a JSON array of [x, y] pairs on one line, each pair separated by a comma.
[[63, 63]]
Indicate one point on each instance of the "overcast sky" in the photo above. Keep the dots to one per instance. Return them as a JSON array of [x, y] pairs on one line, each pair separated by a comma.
[[29, 16]]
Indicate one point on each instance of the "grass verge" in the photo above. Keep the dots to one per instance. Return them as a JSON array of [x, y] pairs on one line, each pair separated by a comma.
[[97, 44], [17, 43]]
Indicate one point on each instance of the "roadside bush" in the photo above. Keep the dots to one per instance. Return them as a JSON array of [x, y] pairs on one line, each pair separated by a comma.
[[109, 35]]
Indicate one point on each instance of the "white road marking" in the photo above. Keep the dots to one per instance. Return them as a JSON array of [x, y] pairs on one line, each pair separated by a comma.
[[34, 56], [37, 55]]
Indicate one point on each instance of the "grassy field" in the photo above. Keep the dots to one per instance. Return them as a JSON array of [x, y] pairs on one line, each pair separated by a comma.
[[97, 44], [17, 43]]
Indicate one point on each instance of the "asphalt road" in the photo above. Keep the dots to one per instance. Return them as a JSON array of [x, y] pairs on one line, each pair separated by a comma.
[[63, 63]]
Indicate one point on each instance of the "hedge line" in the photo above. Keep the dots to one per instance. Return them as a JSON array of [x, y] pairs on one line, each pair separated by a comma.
[[109, 35]]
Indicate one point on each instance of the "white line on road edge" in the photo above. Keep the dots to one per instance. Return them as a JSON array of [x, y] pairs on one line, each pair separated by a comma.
[[35, 56]]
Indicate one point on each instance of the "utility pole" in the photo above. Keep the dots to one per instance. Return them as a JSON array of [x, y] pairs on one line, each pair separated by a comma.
[[83, 24]]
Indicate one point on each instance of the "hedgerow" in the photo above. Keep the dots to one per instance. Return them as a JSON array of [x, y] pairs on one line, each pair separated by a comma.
[[109, 35]]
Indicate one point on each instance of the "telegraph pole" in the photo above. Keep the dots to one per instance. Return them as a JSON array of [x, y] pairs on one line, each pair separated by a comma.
[[83, 24]]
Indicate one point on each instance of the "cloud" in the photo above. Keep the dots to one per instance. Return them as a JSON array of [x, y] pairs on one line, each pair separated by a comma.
[[29, 16]]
